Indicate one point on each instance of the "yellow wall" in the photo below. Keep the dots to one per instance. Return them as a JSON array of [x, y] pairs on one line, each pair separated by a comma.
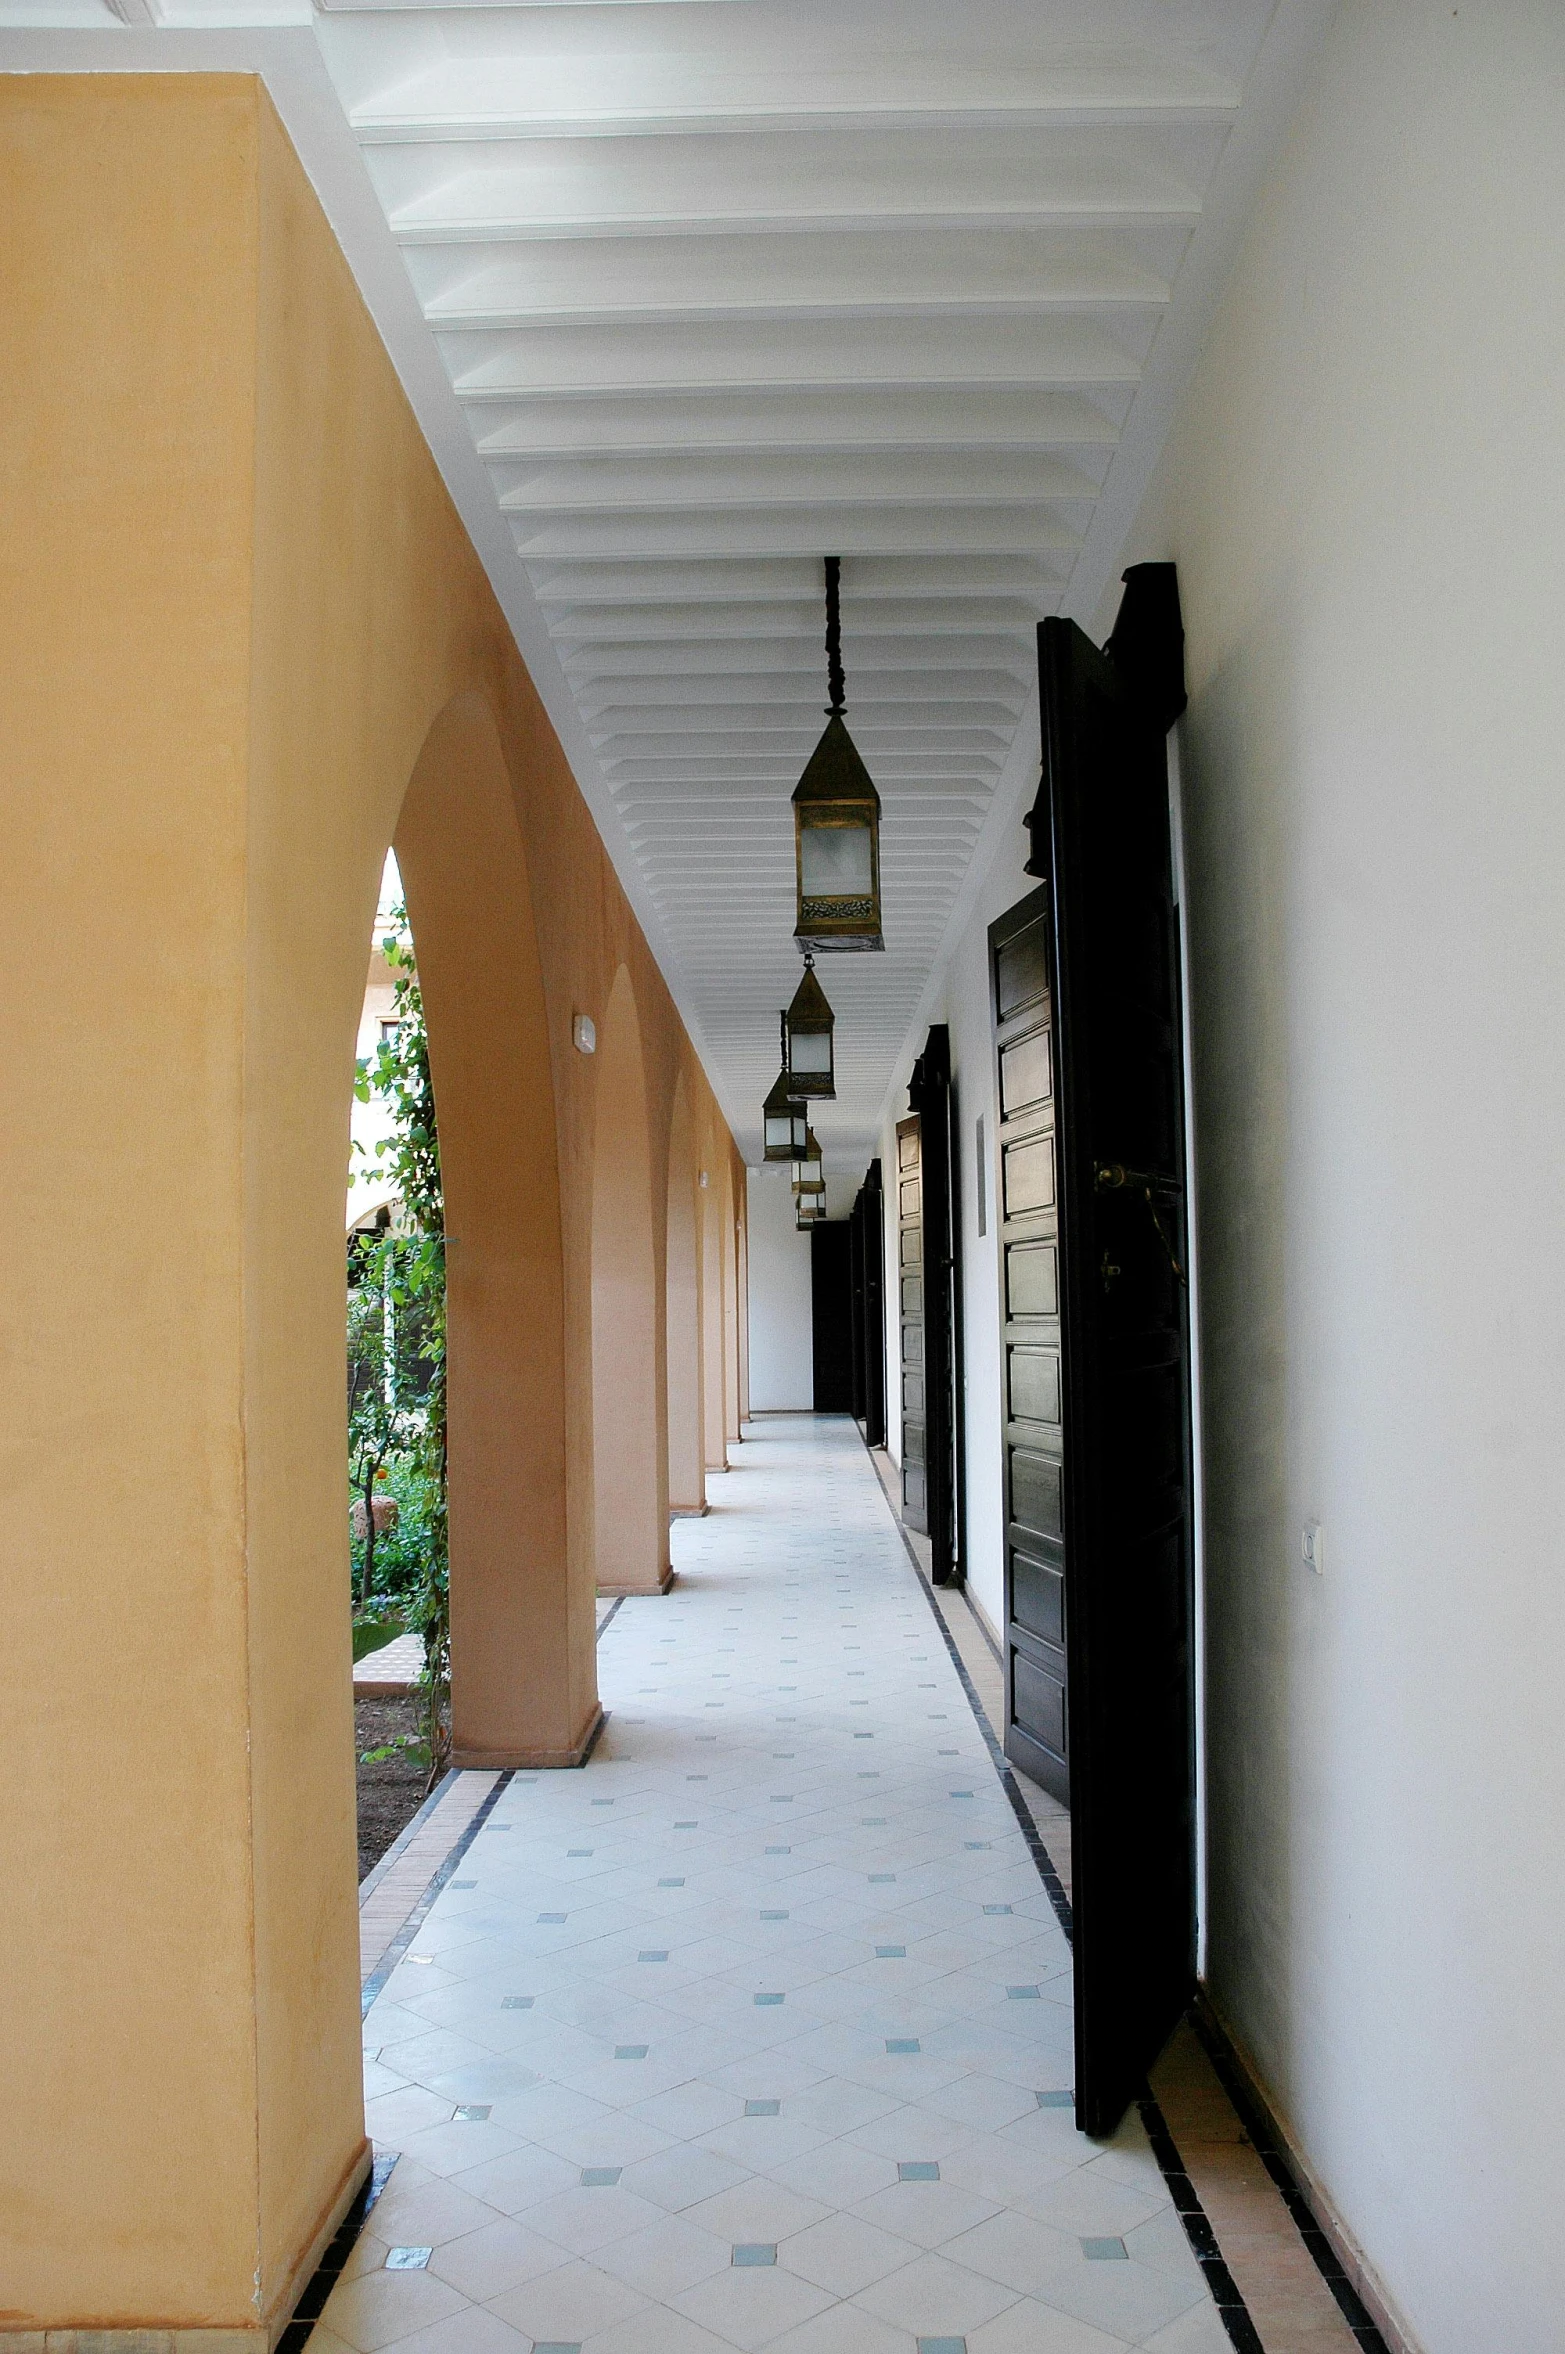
[[234, 599]]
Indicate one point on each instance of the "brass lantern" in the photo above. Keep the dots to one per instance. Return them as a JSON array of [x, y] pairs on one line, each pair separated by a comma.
[[786, 1127], [809, 1214], [836, 821], [807, 1038], [808, 1175]]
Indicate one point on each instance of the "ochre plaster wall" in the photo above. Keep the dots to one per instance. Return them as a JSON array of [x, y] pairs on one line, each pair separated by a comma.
[[630, 1498], [234, 601], [127, 2065]]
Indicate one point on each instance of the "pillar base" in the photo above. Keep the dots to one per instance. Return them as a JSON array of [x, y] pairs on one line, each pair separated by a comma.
[[179, 2338], [688, 1511], [609, 1593], [533, 1760], [134, 2341]]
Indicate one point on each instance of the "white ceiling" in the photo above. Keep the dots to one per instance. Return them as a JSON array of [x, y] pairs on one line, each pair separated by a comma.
[[690, 294]]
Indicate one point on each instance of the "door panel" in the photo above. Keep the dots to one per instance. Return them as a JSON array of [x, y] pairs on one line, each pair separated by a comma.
[[1036, 1682], [1100, 834]]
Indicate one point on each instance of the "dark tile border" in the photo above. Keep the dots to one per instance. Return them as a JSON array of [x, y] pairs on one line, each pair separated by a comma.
[[1221, 2285], [410, 1928], [1223, 2289], [1041, 1857], [405, 1837], [329, 2271], [312, 2304], [1257, 2122]]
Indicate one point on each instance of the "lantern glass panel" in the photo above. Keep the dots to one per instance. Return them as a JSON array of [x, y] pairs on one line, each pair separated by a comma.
[[783, 1122], [836, 861], [809, 1053]]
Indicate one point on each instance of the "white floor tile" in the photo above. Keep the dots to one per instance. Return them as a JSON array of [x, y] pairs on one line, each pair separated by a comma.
[[787, 1737]]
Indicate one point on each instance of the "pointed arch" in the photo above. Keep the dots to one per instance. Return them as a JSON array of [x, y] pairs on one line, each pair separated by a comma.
[[629, 1412]]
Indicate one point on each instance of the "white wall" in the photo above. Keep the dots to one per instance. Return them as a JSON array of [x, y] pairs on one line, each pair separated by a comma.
[[781, 1365], [1365, 493]]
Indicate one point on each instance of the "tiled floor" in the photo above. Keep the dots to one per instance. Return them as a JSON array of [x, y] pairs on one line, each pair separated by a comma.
[[753, 2033]]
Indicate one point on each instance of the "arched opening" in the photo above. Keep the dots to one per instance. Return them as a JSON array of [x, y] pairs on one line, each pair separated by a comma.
[[630, 1468], [682, 1291], [523, 1670]]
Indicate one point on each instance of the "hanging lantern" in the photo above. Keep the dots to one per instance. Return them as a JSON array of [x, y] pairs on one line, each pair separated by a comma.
[[836, 818], [808, 1174], [810, 1214], [786, 1127], [807, 1038]]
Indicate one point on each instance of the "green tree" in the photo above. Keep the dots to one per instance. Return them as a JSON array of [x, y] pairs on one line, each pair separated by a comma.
[[409, 1270]]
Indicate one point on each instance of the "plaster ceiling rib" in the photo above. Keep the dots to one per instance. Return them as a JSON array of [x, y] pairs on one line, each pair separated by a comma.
[[724, 288]]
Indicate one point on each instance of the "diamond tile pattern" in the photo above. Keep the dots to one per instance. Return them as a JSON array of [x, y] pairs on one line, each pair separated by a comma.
[[876, 2122]]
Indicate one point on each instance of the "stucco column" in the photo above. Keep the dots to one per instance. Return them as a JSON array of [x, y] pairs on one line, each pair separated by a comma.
[[523, 1670], [686, 1464], [712, 1324], [181, 2121]]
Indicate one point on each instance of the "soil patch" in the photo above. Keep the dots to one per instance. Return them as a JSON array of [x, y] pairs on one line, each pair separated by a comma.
[[391, 1791]]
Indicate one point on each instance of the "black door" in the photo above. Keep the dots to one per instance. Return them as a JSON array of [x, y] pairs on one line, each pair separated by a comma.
[[1100, 837], [910, 1280], [856, 1301], [932, 1099], [1036, 1704], [870, 1347], [831, 1316]]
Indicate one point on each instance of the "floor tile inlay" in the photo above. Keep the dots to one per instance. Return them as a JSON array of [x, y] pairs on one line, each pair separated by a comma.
[[833, 2118]]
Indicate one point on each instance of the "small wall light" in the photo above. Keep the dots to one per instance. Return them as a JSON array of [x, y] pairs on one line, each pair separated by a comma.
[[836, 819], [584, 1033], [808, 1026]]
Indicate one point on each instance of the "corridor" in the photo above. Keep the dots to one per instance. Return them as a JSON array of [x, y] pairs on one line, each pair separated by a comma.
[[756, 2033]]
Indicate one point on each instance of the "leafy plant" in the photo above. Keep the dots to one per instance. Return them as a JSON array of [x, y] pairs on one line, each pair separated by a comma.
[[406, 1265]]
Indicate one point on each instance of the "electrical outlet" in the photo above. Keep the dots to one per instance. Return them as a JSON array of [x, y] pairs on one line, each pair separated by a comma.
[[1312, 1547]]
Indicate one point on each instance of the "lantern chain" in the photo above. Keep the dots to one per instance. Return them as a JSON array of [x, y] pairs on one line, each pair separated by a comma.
[[837, 684]]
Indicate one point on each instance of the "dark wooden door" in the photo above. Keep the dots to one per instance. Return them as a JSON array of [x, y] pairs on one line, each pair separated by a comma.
[[932, 1099], [910, 1280], [856, 1300], [831, 1316], [1100, 837], [1027, 1206], [871, 1352]]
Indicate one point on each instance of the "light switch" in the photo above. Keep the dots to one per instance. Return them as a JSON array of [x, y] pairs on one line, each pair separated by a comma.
[[1312, 1547]]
